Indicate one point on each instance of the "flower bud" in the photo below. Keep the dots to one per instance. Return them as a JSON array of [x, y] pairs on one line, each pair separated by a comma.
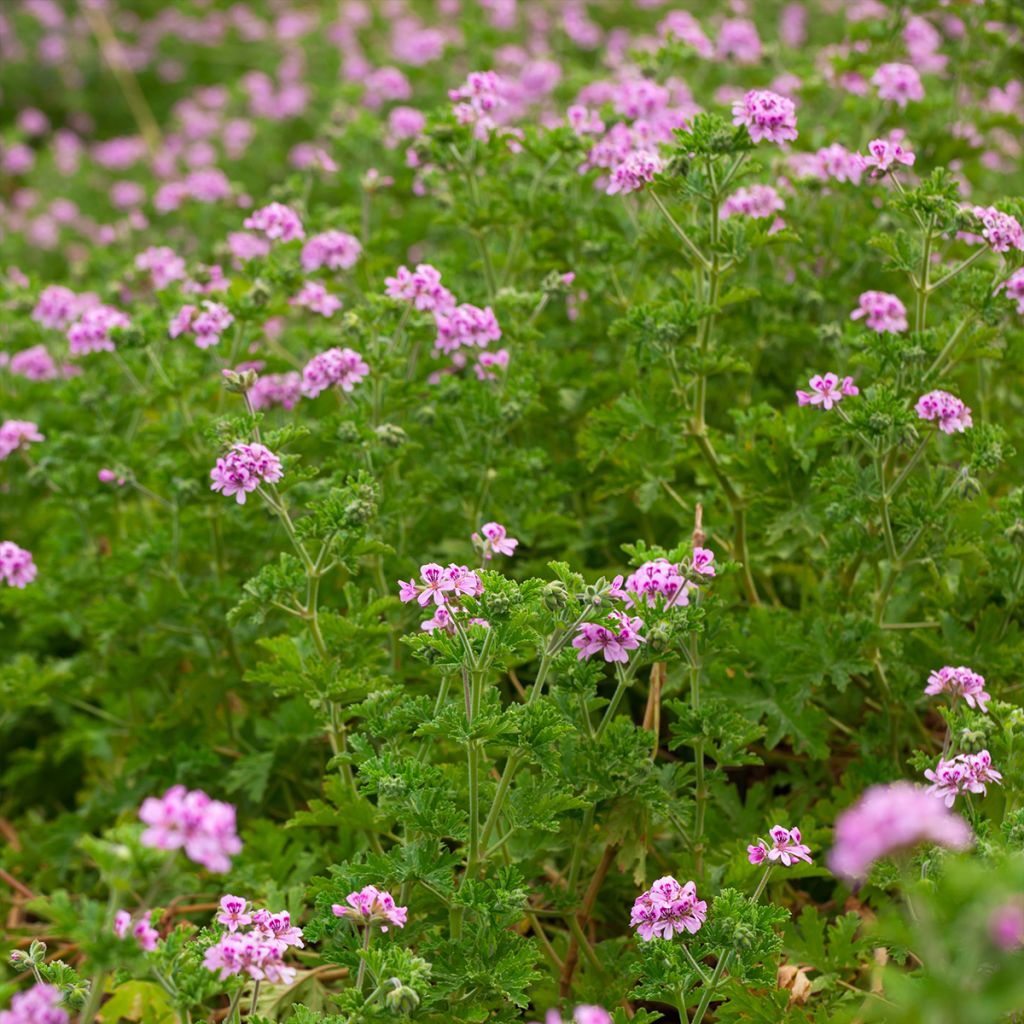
[[390, 435], [401, 998], [555, 595]]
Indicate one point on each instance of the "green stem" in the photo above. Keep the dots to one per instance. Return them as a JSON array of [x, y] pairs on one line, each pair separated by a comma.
[[584, 943], [911, 464], [883, 505], [963, 265], [700, 790], [361, 973], [947, 348], [255, 996], [921, 285], [691, 247], [232, 1014], [709, 990]]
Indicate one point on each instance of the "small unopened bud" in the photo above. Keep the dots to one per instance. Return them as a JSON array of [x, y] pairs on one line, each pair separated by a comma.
[[238, 382], [401, 998], [555, 595]]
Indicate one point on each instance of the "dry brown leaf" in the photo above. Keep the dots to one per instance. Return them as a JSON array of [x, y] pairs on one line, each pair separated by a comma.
[[796, 980]]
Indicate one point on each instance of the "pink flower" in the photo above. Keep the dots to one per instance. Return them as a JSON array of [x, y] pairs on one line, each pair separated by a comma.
[[337, 367], [613, 642], [486, 362], [466, 325], [952, 414], [495, 541], [33, 363], [243, 469], [827, 391], [41, 1004], [15, 434], [335, 250], [191, 820], [703, 561], [91, 332], [685, 27], [108, 476], [1014, 286], [898, 82], [233, 912], [56, 308], [738, 42], [786, 848], [837, 162], [206, 324], [581, 1015], [888, 819], [758, 201], [965, 773], [441, 619], [477, 100], [284, 389], [960, 682], [277, 927], [314, 296], [884, 312], [16, 566], [1006, 926], [145, 934], [767, 115], [668, 909], [245, 247], [637, 169], [372, 906], [439, 585], [1000, 230], [884, 154], [421, 287], [277, 221], [164, 265]]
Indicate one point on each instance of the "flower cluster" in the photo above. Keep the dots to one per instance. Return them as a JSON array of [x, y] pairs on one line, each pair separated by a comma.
[[284, 389], [34, 363], [314, 296], [38, 1005], [493, 539], [884, 312], [259, 952], [16, 566], [337, 367], [57, 307], [191, 820], [952, 414], [827, 390], [421, 287], [758, 201], [960, 682], [888, 819], [898, 82], [1002, 231], [15, 434], [612, 642], [466, 325], [206, 324], [584, 1014], [767, 115], [635, 171], [91, 332], [243, 469], [668, 909], [1014, 286], [965, 773], [335, 250], [884, 154], [658, 581], [371, 906], [477, 100], [142, 931], [277, 221], [165, 266], [786, 848]]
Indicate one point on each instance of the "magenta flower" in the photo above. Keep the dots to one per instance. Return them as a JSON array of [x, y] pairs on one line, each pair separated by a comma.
[[372, 906], [421, 287], [495, 541], [965, 773], [703, 561], [581, 1015], [1014, 286], [165, 266], [284, 389], [658, 582], [888, 819], [91, 332], [952, 415], [738, 42], [960, 682], [206, 324], [636, 170], [668, 909], [335, 250], [683, 26], [833, 161], [277, 221], [191, 820], [786, 848], [33, 363], [145, 934], [486, 363], [337, 367], [249, 953], [314, 296], [612, 642], [1006, 926], [243, 469], [827, 391], [757, 201], [884, 312], [15, 434], [57, 307], [122, 922], [1000, 230], [466, 325], [767, 115], [477, 100], [442, 619], [233, 912], [277, 927], [38, 1005], [883, 154], [16, 566], [898, 82]]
